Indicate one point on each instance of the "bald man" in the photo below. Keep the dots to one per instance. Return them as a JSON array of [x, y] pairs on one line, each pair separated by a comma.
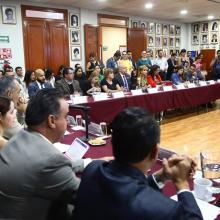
[[39, 84]]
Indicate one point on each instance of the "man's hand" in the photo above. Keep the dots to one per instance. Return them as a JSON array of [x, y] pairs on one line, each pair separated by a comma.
[[21, 105]]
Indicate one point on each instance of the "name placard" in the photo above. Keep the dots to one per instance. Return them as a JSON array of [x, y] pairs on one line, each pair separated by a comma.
[[137, 92], [79, 99], [100, 96], [191, 85], [180, 86], [167, 88], [152, 90], [202, 83], [118, 94], [211, 82]]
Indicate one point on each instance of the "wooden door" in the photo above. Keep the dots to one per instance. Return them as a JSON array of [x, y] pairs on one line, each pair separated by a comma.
[[58, 52], [137, 42], [92, 41], [35, 42], [208, 56]]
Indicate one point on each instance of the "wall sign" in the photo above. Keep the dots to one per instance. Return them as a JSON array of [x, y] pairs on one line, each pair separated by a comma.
[[5, 53], [4, 39]]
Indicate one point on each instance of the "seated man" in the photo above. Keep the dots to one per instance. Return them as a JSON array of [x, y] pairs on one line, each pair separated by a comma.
[[34, 174], [193, 75], [68, 85], [120, 189], [39, 84], [10, 87]]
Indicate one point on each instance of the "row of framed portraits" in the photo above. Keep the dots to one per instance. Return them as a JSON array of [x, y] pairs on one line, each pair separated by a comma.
[[212, 38], [205, 27], [166, 52], [159, 41], [157, 28]]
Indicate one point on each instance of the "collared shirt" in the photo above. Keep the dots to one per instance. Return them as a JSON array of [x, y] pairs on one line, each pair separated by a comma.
[[162, 63]]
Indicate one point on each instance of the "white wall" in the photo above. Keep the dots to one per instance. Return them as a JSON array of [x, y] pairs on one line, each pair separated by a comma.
[[87, 17]]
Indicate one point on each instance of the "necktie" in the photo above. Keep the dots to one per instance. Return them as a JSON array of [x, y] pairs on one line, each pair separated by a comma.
[[125, 83]]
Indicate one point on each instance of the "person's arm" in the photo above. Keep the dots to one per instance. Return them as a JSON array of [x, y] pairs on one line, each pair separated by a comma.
[[88, 66], [212, 62], [105, 88]]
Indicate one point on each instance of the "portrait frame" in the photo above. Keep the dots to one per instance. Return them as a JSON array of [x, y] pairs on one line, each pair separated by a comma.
[[149, 38], [204, 27], [195, 39], [165, 29], [75, 37], [9, 11], [171, 51], [74, 56], [74, 23], [152, 52], [214, 26], [165, 52], [177, 30], [158, 29], [151, 28], [214, 40], [177, 52], [195, 28], [158, 41], [172, 30], [177, 42], [135, 24], [165, 41], [143, 24], [171, 41], [204, 39]]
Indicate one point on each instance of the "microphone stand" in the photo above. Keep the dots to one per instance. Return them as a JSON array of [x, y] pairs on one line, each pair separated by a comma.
[[85, 110]]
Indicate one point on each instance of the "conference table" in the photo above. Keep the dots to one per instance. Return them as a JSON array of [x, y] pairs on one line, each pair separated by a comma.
[[106, 150], [106, 110]]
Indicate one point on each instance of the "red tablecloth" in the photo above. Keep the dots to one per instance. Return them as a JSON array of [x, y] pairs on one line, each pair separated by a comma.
[[161, 101]]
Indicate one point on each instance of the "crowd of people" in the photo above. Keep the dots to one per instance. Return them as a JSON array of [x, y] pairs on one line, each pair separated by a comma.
[[46, 180]]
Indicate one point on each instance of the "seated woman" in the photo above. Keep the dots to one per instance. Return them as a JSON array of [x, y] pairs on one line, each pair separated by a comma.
[[93, 85], [153, 77], [142, 77], [7, 117], [177, 76], [29, 77], [109, 84], [90, 66], [80, 76], [97, 72]]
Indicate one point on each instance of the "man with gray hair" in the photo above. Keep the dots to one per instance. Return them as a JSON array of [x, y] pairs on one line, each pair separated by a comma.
[[10, 87]]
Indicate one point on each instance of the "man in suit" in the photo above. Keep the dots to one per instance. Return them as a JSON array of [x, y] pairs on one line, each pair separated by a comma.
[[10, 87], [120, 189], [68, 85], [124, 80], [34, 174], [39, 84], [171, 65]]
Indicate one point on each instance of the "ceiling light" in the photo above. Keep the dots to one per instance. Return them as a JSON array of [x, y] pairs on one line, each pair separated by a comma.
[[149, 5], [210, 17], [183, 12]]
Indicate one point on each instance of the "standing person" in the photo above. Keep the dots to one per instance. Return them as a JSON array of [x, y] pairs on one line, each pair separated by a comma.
[[49, 77], [189, 53], [112, 62], [29, 77], [129, 54], [182, 58], [126, 62], [90, 66], [171, 65], [19, 75], [121, 188], [145, 59], [7, 117], [80, 76], [215, 64], [43, 175], [161, 61]]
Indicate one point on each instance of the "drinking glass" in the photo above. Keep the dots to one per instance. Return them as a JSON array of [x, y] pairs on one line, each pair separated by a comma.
[[103, 127], [79, 120]]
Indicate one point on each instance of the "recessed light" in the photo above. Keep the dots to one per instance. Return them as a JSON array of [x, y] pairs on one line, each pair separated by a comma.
[[149, 5], [210, 17], [183, 12]]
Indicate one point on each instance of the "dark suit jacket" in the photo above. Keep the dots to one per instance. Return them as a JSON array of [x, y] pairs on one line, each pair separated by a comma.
[[121, 82], [170, 69], [113, 191], [63, 87], [33, 88], [34, 174]]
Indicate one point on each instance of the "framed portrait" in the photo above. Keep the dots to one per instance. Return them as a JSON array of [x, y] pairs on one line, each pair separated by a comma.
[[150, 41], [165, 41], [165, 29], [74, 20], [172, 29], [204, 39], [177, 52], [177, 30], [172, 51], [214, 26], [171, 41], [8, 14], [195, 28], [204, 27], [165, 52], [214, 38], [74, 36], [195, 39], [158, 29], [158, 41], [151, 51], [76, 53], [143, 24], [151, 28], [135, 24], [177, 42]]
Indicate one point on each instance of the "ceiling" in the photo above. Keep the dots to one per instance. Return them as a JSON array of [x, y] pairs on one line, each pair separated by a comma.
[[168, 10]]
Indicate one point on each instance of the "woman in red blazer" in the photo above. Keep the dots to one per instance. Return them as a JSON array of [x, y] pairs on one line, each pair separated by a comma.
[[153, 77]]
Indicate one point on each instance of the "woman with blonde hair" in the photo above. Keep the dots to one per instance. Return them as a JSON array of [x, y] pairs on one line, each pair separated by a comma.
[[109, 83], [7, 116], [142, 76]]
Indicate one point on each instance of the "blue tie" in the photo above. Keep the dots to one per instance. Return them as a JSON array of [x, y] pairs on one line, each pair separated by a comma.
[[125, 83]]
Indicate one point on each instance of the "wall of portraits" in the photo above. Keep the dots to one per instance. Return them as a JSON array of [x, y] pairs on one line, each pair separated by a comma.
[[205, 34]]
